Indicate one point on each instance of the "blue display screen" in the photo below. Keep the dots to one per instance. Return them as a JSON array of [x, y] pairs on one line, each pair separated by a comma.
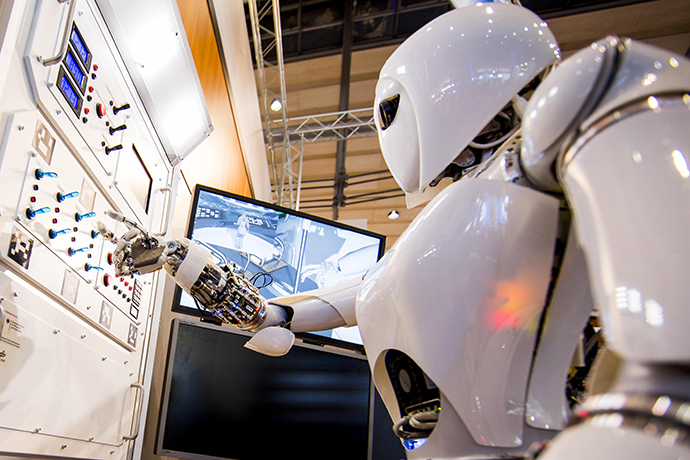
[[69, 92], [74, 69], [79, 46]]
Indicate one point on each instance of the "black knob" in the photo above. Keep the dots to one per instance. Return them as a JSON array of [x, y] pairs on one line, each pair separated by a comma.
[[122, 107], [119, 128], [113, 148]]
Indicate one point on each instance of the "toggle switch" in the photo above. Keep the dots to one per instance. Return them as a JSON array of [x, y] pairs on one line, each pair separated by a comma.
[[30, 213], [122, 107], [40, 174], [88, 267], [119, 128], [113, 148], [52, 234], [71, 252], [94, 233], [62, 197], [79, 217]]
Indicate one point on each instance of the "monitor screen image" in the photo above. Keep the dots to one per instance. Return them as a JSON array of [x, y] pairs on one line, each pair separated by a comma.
[[221, 400], [299, 251]]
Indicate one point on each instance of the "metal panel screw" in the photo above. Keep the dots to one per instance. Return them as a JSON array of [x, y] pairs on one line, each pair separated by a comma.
[[38, 430], [91, 438], [56, 331], [126, 362], [112, 452], [83, 336], [88, 307], [104, 358], [39, 58], [58, 111], [131, 374], [20, 127], [64, 446], [15, 293]]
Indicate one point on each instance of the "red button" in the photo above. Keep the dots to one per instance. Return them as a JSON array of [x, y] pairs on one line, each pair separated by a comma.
[[106, 280], [122, 278], [100, 110], [33, 199], [130, 288], [86, 110], [90, 89], [110, 258], [95, 67], [126, 283]]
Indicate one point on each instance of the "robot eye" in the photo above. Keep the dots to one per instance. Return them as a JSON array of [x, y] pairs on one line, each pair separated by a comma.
[[387, 110]]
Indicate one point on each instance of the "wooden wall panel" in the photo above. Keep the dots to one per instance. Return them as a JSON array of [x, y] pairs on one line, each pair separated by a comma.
[[218, 161]]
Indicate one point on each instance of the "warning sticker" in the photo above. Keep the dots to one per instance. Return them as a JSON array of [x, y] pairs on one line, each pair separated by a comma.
[[11, 330]]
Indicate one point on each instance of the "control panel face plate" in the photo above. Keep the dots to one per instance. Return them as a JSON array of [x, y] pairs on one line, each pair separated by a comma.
[[75, 142]]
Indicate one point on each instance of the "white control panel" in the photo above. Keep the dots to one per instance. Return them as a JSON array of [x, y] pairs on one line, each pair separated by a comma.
[[76, 141]]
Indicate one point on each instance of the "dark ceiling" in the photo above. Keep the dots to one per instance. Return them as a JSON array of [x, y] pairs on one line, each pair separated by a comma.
[[315, 28]]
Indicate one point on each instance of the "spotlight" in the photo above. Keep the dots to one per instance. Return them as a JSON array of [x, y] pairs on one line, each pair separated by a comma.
[[393, 215], [276, 105]]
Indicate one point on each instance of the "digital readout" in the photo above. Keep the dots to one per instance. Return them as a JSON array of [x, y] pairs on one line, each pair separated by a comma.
[[69, 92], [74, 69], [80, 47]]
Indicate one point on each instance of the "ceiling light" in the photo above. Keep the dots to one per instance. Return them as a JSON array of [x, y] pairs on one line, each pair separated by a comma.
[[276, 105], [393, 215]]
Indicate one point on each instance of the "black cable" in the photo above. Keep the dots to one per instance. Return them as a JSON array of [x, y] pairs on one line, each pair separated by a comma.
[[267, 277]]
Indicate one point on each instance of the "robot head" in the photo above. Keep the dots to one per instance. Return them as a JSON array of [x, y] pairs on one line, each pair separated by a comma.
[[445, 84]]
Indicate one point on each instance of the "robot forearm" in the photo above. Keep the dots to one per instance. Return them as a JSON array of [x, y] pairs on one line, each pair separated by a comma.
[[228, 296]]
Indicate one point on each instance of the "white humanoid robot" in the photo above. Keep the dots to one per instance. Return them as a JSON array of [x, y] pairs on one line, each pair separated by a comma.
[[472, 319]]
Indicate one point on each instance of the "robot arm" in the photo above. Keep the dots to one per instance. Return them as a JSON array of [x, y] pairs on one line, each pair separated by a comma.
[[229, 296], [226, 295]]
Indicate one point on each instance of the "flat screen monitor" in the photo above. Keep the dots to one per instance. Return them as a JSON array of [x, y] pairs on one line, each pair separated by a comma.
[[221, 400], [301, 252]]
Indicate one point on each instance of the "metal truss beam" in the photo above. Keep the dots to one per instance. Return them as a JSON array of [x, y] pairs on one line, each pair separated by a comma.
[[330, 126], [285, 182]]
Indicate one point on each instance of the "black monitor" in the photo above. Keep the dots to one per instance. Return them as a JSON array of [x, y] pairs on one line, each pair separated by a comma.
[[221, 400], [301, 252]]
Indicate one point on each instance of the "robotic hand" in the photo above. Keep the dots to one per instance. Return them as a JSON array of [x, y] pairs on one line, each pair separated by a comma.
[[222, 292]]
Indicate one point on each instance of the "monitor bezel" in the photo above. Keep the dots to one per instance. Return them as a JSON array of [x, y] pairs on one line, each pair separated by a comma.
[[307, 337], [167, 382]]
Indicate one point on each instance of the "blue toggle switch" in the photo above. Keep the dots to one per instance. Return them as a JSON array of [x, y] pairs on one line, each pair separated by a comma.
[[71, 252], [40, 174], [94, 233], [61, 197], [88, 267], [78, 217], [54, 233], [30, 213]]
